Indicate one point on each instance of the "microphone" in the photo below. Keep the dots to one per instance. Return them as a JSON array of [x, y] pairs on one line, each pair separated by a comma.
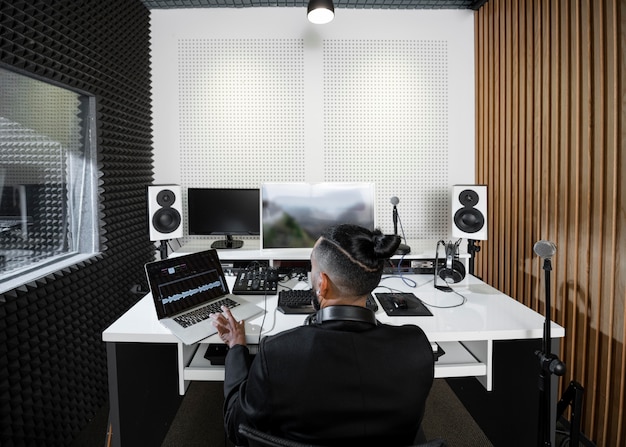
[[403, 249], [394, 201], [545, 249]]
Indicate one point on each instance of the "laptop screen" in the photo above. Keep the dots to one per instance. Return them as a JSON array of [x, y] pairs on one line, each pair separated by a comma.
[[183, 282]]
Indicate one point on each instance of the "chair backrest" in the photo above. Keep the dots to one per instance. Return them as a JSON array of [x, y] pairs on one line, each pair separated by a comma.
[[258, 438]]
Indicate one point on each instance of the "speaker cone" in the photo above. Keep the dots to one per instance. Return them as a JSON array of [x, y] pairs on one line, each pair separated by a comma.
[[165, 198], [469, 220], [468, 197], [166, 220]]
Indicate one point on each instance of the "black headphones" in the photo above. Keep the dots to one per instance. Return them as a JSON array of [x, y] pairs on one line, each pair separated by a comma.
[[342, 313], [454, 270]]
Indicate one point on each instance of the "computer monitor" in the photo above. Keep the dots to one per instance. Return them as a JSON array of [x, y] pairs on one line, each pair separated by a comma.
[[14, 210], [223, 211], [295, 214]]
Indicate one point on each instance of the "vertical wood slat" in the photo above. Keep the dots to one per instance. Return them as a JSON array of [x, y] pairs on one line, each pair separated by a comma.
[[617, 36], [550, 79]]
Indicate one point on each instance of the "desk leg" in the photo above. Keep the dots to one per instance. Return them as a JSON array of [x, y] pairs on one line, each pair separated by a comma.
[[143, 392], [508, 415]]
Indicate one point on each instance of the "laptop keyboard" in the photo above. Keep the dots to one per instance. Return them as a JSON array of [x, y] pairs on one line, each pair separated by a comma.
[[203, 313]]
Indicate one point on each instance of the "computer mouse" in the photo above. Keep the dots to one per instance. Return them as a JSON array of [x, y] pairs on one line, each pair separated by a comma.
[[256, 284], [399, 302]]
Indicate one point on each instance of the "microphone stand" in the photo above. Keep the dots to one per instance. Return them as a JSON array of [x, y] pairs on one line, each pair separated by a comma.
[[403, 249], [550, 364]]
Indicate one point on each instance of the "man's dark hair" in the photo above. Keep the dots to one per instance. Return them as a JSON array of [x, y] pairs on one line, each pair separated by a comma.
[[354, 257]]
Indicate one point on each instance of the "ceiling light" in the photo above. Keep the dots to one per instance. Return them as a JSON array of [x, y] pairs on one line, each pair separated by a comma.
[[320, 11]]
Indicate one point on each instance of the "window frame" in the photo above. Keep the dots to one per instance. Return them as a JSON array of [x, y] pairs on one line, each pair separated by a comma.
[[87, 245]]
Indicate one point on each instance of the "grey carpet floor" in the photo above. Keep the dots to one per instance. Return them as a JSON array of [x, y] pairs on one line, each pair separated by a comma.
[[198, 422]]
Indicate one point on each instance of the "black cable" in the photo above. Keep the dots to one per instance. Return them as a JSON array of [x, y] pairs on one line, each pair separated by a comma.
[[392, 290]]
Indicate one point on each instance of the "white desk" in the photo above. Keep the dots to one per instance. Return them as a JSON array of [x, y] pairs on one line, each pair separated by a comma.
[[420, 249], [140, 349], [466, 333]]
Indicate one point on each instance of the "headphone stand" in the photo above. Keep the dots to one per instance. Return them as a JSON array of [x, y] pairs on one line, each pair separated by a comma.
[[445, 288]]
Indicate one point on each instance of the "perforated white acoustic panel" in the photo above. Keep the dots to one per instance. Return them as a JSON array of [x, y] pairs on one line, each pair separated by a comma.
[[241, 111], [384, 119]]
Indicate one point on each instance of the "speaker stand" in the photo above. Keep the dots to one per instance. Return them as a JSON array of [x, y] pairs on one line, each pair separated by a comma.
[[472, 249], [163, 249]]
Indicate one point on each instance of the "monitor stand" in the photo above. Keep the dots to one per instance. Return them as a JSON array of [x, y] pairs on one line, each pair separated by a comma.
[[227, 243]]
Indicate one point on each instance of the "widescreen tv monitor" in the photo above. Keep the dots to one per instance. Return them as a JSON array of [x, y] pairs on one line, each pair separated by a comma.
[[224, 211], [295, 214]]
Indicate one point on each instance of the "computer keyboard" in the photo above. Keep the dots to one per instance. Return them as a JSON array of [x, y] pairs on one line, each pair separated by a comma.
[[299, 302], [295, 301]]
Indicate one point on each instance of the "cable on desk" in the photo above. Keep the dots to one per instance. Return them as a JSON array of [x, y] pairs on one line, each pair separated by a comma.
[[463, 298], [265, 313], [392, 290], [407, 281]]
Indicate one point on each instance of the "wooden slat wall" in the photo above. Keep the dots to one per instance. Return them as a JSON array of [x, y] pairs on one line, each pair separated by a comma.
[[550, 103]]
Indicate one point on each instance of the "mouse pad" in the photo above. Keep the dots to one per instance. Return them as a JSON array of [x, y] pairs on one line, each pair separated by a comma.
[[402, 304]]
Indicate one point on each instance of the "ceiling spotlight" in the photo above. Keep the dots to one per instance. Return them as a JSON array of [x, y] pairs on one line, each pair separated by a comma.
[[320, 11]]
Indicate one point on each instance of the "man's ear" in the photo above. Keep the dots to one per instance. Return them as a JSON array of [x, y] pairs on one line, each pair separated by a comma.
[[324, 284]]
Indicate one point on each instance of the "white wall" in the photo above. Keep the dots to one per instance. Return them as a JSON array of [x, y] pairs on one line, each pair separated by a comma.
[[252, 95]]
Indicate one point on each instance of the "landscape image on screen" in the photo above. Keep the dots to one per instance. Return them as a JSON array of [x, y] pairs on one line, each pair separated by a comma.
[[295, 214]]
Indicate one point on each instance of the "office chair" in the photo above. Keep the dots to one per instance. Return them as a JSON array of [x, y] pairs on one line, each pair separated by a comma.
[[258, 438]]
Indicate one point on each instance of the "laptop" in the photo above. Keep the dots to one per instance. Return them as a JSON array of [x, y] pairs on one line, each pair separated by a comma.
[[186, 289]]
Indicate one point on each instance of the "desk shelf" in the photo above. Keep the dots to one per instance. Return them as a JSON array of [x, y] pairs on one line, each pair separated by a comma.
[[456, 362]]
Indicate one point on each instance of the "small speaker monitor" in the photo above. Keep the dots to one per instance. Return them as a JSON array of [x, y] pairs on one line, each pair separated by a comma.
[[469, 212], [165, 213]]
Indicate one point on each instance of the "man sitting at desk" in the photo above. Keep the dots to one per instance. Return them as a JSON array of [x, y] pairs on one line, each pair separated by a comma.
[[343, 378]]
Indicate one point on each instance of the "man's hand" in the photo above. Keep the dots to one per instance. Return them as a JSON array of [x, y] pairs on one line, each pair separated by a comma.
[[231, 331]]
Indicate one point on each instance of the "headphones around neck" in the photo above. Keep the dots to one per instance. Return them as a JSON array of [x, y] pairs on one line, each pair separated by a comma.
[[454, 270], [342, 313]]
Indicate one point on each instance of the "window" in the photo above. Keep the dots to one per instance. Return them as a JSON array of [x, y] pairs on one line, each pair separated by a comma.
[[48, 202]]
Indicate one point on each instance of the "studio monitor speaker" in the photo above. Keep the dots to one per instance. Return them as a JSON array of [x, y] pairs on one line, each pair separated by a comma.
[[469, 212], [165, 213]]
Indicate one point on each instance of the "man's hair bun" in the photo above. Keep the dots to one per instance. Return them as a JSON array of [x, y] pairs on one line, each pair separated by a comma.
[[385, 245]]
